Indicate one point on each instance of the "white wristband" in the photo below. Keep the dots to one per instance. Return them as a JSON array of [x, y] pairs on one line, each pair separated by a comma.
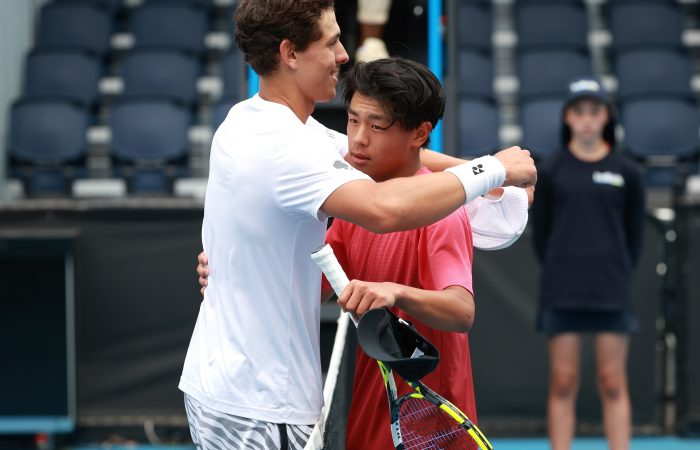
[[479, 176]]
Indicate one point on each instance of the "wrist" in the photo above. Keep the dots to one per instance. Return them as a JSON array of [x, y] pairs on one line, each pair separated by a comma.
[[479, 176]]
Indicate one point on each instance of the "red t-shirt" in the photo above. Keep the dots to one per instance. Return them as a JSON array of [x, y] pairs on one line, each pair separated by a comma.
[[431, 258]]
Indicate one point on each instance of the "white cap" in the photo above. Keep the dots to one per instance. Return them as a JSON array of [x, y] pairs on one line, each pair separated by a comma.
[[497, 224]]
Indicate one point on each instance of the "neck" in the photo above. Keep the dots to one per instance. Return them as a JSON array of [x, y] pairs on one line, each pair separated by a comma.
[[274, 88], [406, 170], [589, 151]]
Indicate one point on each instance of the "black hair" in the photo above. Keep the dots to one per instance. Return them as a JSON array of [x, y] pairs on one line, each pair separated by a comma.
[[409, 92]]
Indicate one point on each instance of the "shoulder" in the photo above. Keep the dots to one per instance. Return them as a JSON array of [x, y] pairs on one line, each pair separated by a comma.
[[628, 166], [455, 224]]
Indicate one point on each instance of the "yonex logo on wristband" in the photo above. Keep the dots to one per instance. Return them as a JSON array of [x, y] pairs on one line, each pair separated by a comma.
[[479, 168]]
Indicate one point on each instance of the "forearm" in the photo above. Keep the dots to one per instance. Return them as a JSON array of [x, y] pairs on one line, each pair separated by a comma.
[[437, 162], [451, 309], [397, 204]]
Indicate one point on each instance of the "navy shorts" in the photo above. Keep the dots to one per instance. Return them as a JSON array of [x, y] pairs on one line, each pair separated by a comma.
[[552, 322]]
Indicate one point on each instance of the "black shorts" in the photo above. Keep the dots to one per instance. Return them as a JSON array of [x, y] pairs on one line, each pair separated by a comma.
[[552, 322]]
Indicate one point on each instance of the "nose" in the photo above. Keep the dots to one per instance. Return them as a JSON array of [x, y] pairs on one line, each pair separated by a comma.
[[341, 56], [359, 135]]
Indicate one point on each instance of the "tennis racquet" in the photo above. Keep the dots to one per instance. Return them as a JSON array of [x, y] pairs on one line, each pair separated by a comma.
[[422, 419]]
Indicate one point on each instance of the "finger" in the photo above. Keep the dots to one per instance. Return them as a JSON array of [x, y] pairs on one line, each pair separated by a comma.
[[203, 281], [202, 291], [202, 258]]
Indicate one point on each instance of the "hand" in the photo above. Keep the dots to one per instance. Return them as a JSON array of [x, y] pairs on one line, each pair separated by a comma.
[[530, 190], [358, 297], [203, 271], [520, 167]]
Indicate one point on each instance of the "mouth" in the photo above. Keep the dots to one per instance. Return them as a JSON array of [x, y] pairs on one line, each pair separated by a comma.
[[359, 158]]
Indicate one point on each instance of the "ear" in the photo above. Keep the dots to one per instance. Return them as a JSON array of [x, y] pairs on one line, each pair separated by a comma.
[[288, 56], [421, 134]]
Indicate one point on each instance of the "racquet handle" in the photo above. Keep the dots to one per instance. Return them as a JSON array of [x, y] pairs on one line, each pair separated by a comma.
[[331, 268], [326, 260]]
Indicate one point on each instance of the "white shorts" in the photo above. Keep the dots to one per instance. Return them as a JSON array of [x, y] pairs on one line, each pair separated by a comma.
[[214, 430]]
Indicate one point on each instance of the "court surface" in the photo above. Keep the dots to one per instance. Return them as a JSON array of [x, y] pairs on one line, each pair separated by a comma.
[[640, 443]]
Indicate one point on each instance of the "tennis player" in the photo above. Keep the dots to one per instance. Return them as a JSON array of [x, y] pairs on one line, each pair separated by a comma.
[[252, 375], [423, 275]]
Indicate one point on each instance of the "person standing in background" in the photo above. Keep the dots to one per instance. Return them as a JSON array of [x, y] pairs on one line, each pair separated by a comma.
[[588, 217], [372, 16]]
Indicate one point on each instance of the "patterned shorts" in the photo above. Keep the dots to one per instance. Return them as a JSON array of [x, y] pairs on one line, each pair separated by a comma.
[[214, 430]]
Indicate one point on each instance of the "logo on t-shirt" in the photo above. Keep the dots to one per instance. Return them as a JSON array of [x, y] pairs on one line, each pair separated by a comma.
[[338, 164], [479, 168], [608, 178]]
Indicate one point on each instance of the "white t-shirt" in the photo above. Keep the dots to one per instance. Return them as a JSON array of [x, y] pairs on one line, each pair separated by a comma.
[[255, 348]]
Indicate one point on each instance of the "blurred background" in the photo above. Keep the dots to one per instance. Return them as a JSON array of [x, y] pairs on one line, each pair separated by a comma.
[[107, 111]]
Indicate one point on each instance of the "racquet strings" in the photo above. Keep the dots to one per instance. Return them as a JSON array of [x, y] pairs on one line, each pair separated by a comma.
[[426, 426]]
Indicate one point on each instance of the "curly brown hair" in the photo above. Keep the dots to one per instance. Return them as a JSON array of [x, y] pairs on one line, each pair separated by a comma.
[[261, 25]]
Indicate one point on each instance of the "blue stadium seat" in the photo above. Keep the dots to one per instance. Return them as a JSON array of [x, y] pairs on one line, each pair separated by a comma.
[[204, 3], [176, 26], [170, 74], [540, 120], [478, 125], [645, 24], [548, 72], [75, 25], [232, 67], [659, 127], [653, 71], [552, 25], [69, 74], [475, 26], [475, 74], [149, 138], [519, 3], [47, 143], [111, 5]]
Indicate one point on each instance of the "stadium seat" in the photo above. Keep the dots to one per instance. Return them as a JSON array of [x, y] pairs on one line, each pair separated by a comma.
[[548, 2], [548, 72], [552, 25], [478, 125], [170, 74], [475, 26], [475, 74], [645, 24], [69, 74], [661, 128], [205, 3], [540, 120], [47, 143], [111, 5], [176, 26], [653, 71], [232, 67], [75, 25], [149, 138]]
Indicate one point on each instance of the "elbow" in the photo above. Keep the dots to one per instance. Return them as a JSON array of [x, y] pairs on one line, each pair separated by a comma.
[[463, 322], [464, 325]]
